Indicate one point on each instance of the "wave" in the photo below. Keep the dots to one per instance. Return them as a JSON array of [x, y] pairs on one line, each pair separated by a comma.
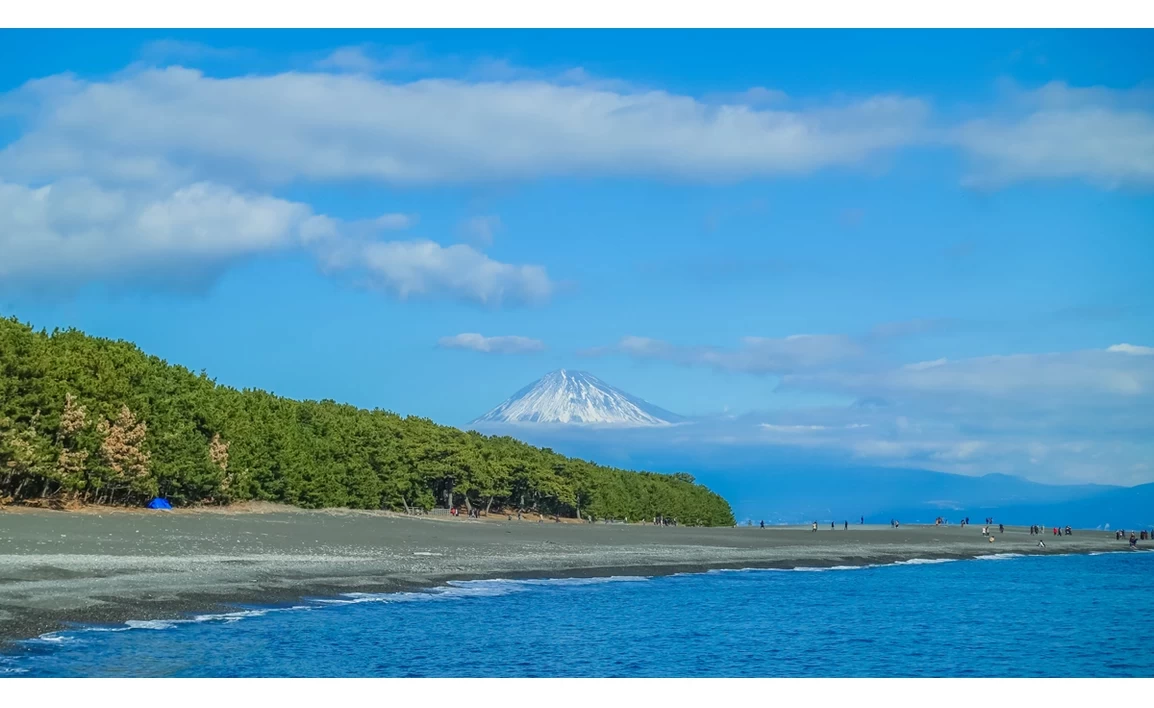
[[463, 589], [923, 561], [1000, 556], [454, 589]]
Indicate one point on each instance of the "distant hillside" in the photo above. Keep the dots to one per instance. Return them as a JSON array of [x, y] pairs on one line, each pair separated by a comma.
[[88, 419], [784, 486], [1116, 508]]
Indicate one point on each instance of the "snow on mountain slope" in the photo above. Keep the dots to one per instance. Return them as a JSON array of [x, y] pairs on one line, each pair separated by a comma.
[[576, 397]]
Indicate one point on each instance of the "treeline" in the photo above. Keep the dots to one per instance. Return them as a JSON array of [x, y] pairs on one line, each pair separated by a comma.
[[91, 420]]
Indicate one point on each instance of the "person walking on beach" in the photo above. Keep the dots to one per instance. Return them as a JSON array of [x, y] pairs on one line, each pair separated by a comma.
[[762, 524], [862, 521], [1133, 541], [1001, 528], [847, 525], [814, 527]]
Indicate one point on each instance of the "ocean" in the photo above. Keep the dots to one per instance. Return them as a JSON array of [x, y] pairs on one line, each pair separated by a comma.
[[997, 616]]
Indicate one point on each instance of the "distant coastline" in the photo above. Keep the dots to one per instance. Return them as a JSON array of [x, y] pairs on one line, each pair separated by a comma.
[[103, 567]]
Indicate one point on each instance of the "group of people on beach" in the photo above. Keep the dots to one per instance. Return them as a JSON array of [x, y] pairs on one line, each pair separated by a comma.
[[1142, 535], [832, 525], [1056, 531]]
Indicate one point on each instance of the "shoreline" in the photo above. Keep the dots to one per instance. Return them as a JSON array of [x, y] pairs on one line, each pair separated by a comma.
[[60, 568]]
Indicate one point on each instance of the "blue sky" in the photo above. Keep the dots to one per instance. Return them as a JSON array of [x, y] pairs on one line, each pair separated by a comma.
[[920, 248]]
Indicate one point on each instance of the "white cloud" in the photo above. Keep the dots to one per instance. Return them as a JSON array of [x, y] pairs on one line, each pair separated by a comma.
[[319, 126], [76, 230], [1102, 136], [1131, 349], [504, 122], [1064, 444], [773, 427], [1068, 416], [354, 59], [1082, 416], [493, 345], [1037, 376], [479, 230], [757, 355], [426, 269], [395, 222], [164, 50]]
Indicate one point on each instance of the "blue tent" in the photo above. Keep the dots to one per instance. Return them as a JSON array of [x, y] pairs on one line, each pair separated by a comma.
[[159, 503]]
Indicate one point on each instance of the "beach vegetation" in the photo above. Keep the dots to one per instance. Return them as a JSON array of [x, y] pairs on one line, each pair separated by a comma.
[[91, 420]]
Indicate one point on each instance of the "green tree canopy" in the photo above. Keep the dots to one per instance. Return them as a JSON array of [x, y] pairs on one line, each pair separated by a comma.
[[97, 420]]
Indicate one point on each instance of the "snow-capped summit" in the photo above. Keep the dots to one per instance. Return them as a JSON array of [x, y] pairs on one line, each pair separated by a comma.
[[576, 397]]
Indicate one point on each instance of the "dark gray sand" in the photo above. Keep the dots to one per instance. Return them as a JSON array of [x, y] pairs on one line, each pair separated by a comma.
[[112, 566]]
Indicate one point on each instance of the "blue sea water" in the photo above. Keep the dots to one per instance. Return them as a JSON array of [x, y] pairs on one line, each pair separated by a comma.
[[1000, 616]]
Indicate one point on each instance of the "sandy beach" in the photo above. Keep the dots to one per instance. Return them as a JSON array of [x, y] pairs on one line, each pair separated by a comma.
[[109, 566]]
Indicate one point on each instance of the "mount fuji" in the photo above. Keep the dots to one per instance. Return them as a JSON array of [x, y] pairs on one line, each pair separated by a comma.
[[577, 397]]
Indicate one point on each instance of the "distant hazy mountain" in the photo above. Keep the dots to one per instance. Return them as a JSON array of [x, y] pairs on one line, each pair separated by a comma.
[[1104, 508], [788, 487], [576, 397]]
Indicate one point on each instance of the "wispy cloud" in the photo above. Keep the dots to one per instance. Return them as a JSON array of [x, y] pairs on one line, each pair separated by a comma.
[[425, 269], [1131, 349], [180, 121], [757, 355], [354, 59], [395, 222], [1059, 417], [479, 230], [492, 345], [1040, 377], [166, 50], [1098, 135]]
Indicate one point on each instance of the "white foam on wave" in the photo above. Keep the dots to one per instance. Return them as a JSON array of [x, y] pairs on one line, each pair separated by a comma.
[[69, 635], [999, 556], [237, 616], [151, 624], [480, 588], [798, 569], [456, 589], [924, 561], [1127, 550], [12, 670]]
